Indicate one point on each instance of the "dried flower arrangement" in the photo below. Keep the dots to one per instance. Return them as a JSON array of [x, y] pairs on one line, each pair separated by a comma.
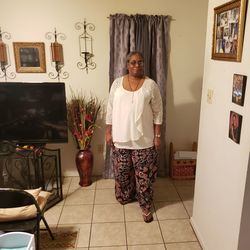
[[82, 114]]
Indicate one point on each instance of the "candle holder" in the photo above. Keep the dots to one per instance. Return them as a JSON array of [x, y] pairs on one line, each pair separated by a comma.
[[4, 57], [57, 59], [86, 46]]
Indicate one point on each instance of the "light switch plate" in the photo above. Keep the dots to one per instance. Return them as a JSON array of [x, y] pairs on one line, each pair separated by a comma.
[[210, 95]]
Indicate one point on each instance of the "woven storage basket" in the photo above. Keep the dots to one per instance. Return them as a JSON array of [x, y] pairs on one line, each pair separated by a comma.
[[183, 168]]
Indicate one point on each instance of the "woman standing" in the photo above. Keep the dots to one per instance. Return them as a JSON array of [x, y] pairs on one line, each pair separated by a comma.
[[134, 117]]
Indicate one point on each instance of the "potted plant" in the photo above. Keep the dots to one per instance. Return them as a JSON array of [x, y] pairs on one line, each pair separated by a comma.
[[82, 113]]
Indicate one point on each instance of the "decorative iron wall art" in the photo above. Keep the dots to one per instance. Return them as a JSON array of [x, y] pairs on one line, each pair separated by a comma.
[[57, 58], [86, 46], [4, 57]]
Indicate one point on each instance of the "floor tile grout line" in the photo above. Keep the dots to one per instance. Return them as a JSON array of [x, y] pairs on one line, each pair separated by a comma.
[[64, 199], [177, 191], [125, 225], [189, 216], [174, 219], [93, 206], [159, 225]]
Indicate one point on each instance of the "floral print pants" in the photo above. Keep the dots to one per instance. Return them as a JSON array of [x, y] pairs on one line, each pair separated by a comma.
[[135, 171]]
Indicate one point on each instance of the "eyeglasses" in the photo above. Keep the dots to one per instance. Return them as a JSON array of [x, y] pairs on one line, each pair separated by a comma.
[[139, 63]]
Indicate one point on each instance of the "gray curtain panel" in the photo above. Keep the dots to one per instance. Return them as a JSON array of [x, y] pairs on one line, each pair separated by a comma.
[[149, 35]]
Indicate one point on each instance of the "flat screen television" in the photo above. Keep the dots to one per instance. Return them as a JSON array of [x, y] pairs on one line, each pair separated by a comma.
[[33, 113]]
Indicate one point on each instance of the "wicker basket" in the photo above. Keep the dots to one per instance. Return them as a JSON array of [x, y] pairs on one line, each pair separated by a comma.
[[183, 168]]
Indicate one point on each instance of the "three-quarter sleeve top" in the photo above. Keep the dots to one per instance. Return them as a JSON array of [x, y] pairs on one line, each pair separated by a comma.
[[133, 114]]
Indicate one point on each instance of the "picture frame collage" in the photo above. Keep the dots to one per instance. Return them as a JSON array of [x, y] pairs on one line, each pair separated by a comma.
[[228, 31]]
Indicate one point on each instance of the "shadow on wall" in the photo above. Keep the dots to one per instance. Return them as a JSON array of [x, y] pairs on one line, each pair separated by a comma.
[[244, 239], [98, 146], [183, 120], [68, 152]]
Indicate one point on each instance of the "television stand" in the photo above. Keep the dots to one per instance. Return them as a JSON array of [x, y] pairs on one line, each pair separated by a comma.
[[31, 167]]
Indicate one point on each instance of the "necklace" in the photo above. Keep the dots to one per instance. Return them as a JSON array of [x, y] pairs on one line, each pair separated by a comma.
[[136, 87]]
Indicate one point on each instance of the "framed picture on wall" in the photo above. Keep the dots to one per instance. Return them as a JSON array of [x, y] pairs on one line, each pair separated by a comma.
[[239, 86], [235, 121], [228, 31], [29, 57]]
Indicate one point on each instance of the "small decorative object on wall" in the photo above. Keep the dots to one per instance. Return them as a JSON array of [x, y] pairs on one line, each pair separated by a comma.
[[228, 32], [57, 56], [235, 121], [239, 86], [82, 115], [4, 61], [29, 57], [86, 46]]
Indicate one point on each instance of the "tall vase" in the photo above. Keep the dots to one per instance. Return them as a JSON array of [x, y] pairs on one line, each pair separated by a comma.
[[84, 164]]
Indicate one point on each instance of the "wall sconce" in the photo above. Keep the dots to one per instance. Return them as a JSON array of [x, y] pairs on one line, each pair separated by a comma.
[[4, 57], [86, 46], [57, 59]]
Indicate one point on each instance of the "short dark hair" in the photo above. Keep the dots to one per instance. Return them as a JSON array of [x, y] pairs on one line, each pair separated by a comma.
[[130, 54]]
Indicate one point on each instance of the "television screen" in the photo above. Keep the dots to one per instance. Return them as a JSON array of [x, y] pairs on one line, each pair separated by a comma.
[[33, 113]]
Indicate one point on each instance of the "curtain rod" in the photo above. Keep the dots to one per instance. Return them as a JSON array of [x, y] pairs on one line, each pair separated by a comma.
[[170, 18]]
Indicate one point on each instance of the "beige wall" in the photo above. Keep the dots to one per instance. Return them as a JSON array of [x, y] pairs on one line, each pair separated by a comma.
[[29, 20], [222, 165]]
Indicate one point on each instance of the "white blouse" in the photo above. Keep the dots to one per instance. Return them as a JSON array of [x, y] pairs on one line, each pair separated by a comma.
[[133, 114]]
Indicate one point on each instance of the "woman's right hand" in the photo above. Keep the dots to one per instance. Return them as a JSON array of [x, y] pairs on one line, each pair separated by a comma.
[[109, 140]]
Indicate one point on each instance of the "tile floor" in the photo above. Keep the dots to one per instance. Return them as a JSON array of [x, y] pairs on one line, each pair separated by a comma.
[[104, 224]]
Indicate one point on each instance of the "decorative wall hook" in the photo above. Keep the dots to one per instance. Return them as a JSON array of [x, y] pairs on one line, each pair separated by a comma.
[[86, 46], [57, 59], [4, 57]]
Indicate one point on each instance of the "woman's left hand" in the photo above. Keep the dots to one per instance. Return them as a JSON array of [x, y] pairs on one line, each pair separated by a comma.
[[157, 142]]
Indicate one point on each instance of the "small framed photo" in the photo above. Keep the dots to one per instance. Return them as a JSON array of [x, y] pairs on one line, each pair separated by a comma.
[[228, 31], [239, 86], [235, 122], [29, 57]]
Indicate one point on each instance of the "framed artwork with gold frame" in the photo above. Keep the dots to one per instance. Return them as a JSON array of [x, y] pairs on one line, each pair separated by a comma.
[[228, 31], [29, 57]]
